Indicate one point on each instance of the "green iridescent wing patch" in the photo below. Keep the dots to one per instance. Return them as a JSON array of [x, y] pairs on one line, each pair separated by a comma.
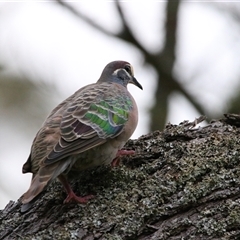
[[108, 117]]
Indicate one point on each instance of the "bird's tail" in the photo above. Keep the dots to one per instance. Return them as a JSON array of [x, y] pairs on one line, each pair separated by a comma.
[[41, 180]]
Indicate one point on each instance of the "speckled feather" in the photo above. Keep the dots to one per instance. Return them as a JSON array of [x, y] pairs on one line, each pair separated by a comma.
[[85, 130]]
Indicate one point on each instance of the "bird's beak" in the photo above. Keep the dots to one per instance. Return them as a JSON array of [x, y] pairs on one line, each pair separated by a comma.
[[135, 82]]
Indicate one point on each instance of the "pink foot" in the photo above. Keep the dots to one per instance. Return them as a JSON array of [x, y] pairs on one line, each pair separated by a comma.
[[116, 161], [72, 197], [125, 152]]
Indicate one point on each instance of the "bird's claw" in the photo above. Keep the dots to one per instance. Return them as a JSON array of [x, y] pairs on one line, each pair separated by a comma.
[[73, 198], [116, 161]]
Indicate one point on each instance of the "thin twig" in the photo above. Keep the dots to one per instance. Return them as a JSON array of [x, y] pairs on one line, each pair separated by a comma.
[[86, 19]]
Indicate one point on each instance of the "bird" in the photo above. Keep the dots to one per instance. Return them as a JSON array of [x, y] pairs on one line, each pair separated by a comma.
[[86, 130]]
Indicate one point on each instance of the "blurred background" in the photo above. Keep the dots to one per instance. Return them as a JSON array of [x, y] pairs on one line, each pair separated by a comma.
[[186, 54]]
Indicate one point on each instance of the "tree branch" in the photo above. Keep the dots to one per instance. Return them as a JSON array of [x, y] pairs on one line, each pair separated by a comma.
[[85, 18], [126, 34], [182, 183]]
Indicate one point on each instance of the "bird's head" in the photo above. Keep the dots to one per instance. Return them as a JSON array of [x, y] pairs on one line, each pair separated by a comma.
[[120, 72]]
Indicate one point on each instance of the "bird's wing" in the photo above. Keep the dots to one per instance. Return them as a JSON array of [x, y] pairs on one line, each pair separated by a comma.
[[97, 114]]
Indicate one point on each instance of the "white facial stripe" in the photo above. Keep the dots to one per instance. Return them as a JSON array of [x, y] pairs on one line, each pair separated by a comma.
[[132, 70], [116, 71]]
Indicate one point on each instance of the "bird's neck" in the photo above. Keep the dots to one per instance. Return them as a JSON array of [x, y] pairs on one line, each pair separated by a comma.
[[117, 80]]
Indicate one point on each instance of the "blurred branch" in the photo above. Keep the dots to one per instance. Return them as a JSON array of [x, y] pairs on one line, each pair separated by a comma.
[[168, 53], [164, 67], [232, 10], [25, 102], [126, 33], [164, 63], [234, 103], [85, 18]]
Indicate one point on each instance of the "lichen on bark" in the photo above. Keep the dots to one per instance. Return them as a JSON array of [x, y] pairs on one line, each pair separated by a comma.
[[182, 183]]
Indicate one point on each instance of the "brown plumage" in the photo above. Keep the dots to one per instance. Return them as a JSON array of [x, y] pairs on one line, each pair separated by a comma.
[[88, 129]]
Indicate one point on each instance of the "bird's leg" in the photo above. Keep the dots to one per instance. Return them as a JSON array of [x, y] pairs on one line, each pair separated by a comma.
[[72, 197], [116, 161]]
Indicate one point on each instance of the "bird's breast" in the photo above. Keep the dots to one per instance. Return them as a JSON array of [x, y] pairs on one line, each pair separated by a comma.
[[100, 155]]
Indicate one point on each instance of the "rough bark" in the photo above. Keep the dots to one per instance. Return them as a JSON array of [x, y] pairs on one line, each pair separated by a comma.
[[182, 183]]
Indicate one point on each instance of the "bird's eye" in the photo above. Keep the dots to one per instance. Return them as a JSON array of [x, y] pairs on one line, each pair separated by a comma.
[[128, 69]]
